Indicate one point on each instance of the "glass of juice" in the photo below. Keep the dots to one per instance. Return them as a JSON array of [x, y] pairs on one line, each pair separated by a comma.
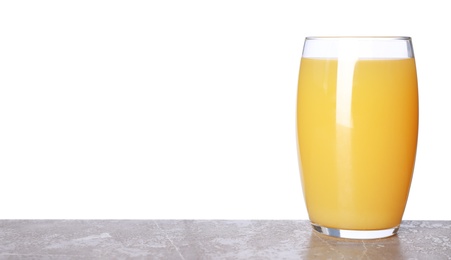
[[357, 128]]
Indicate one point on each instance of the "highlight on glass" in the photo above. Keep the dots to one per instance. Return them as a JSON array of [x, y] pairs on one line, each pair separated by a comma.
[[357, 128]]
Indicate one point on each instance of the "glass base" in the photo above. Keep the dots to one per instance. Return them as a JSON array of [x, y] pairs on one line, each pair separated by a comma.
[[355, 234]]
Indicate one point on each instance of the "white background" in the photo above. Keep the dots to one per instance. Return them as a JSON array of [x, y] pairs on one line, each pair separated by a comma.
[[186, 109]]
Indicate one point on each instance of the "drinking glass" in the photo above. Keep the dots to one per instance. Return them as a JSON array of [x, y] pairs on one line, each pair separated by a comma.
[[357, 128]]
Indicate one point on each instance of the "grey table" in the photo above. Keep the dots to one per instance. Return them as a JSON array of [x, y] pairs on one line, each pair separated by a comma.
[[211, 239]]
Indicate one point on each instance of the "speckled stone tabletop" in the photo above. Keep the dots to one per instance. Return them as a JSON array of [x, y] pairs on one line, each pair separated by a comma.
[[211, 239]]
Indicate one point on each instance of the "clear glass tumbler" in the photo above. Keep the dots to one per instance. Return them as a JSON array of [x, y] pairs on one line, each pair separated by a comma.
[[357, 128]]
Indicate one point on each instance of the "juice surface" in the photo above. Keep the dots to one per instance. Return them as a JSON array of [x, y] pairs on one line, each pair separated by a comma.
[[357, 132]]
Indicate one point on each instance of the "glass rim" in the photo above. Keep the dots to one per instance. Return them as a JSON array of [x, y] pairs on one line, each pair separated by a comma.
[[363, 47], [402, 38]]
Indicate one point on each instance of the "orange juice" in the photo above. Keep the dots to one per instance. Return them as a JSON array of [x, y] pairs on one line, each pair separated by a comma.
[[357, 134]]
